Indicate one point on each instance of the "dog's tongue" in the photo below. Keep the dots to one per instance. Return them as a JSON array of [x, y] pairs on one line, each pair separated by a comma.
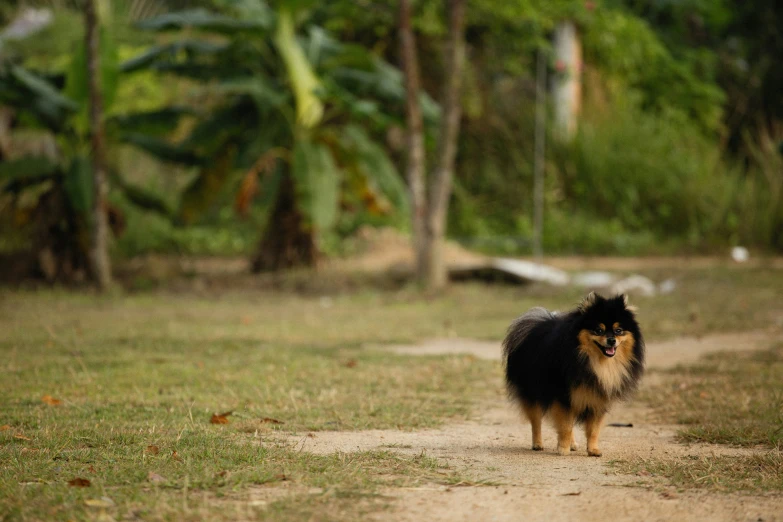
[[610, 351]]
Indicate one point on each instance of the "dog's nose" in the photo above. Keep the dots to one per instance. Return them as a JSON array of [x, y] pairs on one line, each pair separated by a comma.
[[611, 341]]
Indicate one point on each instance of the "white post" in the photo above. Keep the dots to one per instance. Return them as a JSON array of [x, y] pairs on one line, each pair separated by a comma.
[[568, 80]]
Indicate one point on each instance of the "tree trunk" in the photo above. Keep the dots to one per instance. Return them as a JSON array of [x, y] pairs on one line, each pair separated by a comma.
[[416, 161], [440, 188], [568, 82], [287, 242], [100, 264]]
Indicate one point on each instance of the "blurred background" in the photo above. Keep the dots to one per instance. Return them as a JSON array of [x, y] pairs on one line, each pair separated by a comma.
[[270, 135]]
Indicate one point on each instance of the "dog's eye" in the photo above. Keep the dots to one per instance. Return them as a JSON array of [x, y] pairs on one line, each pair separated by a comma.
[[618, 331], [598, 331]]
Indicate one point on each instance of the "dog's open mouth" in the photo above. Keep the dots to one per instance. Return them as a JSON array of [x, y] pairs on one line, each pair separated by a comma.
[[609, 351]]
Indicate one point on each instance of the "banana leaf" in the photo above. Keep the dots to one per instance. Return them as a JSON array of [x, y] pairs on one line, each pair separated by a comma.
[[28, 168], [161, 149], [372, 161], [155, 54], [78, 185], [204, 20], [317, 180], [76, 80], [152, 122], [309, 108]]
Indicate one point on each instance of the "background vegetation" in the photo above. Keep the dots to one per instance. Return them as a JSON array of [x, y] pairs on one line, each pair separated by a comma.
[[678, 148]]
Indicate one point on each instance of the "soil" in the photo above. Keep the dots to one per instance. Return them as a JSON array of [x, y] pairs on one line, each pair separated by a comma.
[[509, 481]]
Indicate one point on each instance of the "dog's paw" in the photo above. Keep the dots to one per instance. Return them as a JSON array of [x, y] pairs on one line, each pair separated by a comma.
[[538, 447], [594, 452], [564, 451], [574, 446]]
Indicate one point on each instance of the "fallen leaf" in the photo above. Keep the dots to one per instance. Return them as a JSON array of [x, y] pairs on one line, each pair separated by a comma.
[[51, 401], [281, 476], [5, 427], [153, 450], [704, 395], [21, 437], [154, 477], [270, 420], [669, 495], [351, 363], [574, 494], [221, 418], [91, 469], [222, 473], [103, 502], [175, 456], [79, 482]]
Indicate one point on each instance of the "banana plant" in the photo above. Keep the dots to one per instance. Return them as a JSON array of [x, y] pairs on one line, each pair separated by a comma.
[[53, 193], [293, 109]]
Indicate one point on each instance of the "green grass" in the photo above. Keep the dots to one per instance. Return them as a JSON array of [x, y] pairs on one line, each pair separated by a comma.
[[728, 398], [149, 369], [759, 473]]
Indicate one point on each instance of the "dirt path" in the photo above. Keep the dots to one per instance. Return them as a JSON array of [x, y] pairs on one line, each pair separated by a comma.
[[495, 448]]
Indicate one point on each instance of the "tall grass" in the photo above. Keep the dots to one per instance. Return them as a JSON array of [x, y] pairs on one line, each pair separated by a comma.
[[657, 174]]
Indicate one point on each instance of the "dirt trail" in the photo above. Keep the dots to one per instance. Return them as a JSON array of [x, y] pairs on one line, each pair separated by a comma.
[[495, 448]]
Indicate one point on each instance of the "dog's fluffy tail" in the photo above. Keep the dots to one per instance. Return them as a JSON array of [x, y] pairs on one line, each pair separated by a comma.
[[522, 326]]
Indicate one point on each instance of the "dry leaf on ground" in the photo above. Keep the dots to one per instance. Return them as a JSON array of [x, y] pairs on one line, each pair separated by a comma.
[[51, 401], [21, 437], [5, 427], [220, 418], [270, 420], [153, 450], [79, 482]]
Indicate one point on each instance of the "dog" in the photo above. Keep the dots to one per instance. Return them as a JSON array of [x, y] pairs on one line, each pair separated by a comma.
[[574, 366]]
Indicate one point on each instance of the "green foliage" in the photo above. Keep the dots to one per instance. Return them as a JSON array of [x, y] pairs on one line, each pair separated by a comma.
[[273, 96], [373, 163], [317, 181], [205, 20], [27, 168], [76, 81], [78, 185], [628, 51]]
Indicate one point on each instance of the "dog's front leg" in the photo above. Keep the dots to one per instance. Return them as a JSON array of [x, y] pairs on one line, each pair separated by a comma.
[[564, 424], [592, 430]]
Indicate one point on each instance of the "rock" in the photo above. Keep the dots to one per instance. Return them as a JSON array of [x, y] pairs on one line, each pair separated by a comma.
[[667, 286], [530, 271], [510, 270], [593, 279], [740, 254], [637, 284]]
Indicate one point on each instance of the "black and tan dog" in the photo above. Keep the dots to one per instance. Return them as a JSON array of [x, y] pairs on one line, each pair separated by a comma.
[[574, 366]]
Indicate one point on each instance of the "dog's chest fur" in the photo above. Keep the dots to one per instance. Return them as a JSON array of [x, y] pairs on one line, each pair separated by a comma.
[[612, 375]]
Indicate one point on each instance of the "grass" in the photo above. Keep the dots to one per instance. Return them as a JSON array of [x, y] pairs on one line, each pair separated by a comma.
[[728, 398], [136, 405], [140, 375], [734, 399], [759, 473]]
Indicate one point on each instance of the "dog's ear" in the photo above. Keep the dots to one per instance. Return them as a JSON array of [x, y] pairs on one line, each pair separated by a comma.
[[631, 308], [588, 301]]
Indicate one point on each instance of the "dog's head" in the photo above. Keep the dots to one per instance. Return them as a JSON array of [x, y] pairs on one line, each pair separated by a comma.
[[607, 325]]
